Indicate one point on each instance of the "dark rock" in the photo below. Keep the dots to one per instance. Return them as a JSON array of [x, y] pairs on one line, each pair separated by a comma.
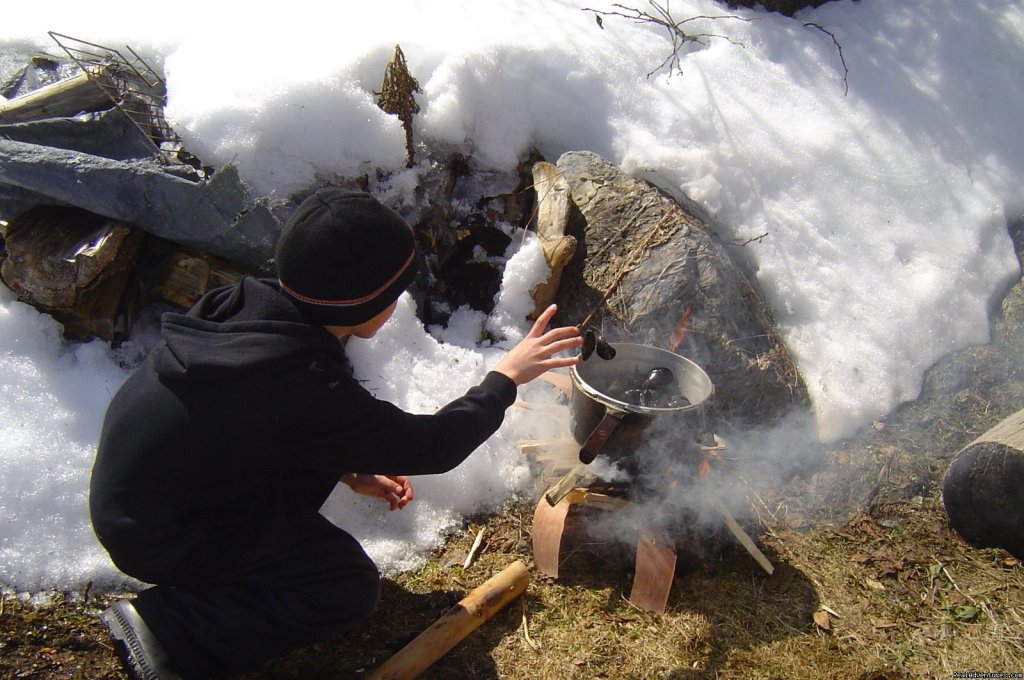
[[659, 262]]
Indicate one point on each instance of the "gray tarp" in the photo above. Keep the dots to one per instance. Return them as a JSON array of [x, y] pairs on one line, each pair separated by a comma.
[[216, 215], [109, 134]]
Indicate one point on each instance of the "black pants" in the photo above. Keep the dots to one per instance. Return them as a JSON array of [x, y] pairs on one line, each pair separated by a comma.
[[303, 580]]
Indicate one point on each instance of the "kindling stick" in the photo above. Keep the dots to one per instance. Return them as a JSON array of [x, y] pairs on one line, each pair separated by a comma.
[[481, 604], [742, 537]]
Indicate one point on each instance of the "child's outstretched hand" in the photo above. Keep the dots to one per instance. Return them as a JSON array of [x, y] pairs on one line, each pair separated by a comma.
[[535, 353], [395, 489]]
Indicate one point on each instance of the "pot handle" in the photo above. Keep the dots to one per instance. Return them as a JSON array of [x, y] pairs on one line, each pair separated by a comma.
[[600, 434]]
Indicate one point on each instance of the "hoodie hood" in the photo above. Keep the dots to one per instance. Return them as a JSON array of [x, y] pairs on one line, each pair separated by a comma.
[[241, 327]]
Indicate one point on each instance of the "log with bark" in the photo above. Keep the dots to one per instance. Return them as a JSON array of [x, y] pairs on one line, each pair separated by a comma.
[[64, 98], [983, 488]]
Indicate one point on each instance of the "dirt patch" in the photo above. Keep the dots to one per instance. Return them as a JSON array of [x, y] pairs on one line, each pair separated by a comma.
[[61, 639]]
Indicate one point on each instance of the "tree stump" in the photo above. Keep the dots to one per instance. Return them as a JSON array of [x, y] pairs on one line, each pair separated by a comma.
[[983, 489]]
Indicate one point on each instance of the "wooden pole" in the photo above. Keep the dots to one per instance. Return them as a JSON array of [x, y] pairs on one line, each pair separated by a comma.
[[458, 622], [67, 97]]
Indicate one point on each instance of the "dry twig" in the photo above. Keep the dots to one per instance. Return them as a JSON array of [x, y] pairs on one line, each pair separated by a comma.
[[473, 550], [662, 16], [526, 630], [846, 71]]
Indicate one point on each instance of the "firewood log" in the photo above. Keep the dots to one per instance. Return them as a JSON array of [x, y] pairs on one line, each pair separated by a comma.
[[983, 488]]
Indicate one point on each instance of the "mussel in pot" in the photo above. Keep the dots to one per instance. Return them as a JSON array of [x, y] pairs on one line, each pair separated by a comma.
[[658, 377]]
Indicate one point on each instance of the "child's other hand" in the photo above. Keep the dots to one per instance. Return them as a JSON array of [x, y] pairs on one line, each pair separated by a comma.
[[535, 353], [395, 489]]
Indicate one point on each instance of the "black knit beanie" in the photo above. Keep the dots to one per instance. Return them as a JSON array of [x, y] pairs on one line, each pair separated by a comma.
[[343, 257]]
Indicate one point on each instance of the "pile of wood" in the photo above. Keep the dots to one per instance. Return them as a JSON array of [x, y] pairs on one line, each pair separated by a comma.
[[91, 273], [95, 221]]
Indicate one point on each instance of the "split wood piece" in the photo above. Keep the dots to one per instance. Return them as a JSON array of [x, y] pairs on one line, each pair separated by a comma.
[[187, 277], [654, 570], [553, 209], [577, 476], [55, 254], [741, 536], [458, 622], [560, 380], [98, 313], [603, 501], [62, 99], [558, 453]]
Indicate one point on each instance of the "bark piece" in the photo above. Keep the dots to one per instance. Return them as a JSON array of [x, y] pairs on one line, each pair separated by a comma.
[[655, 571]]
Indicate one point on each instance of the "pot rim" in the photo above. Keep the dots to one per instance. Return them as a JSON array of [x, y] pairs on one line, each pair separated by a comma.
[[590, 392]]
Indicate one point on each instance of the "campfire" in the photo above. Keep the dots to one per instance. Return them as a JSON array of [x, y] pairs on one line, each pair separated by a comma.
[[628, 408]]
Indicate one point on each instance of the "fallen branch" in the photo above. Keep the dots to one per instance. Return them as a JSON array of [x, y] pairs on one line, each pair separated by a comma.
[[755, 239], [663, 17]]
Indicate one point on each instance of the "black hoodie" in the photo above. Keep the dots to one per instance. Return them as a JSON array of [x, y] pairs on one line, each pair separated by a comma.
[[244, 410]]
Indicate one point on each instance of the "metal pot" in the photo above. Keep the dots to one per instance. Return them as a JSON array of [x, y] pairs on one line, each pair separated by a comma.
[[605, 423]]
